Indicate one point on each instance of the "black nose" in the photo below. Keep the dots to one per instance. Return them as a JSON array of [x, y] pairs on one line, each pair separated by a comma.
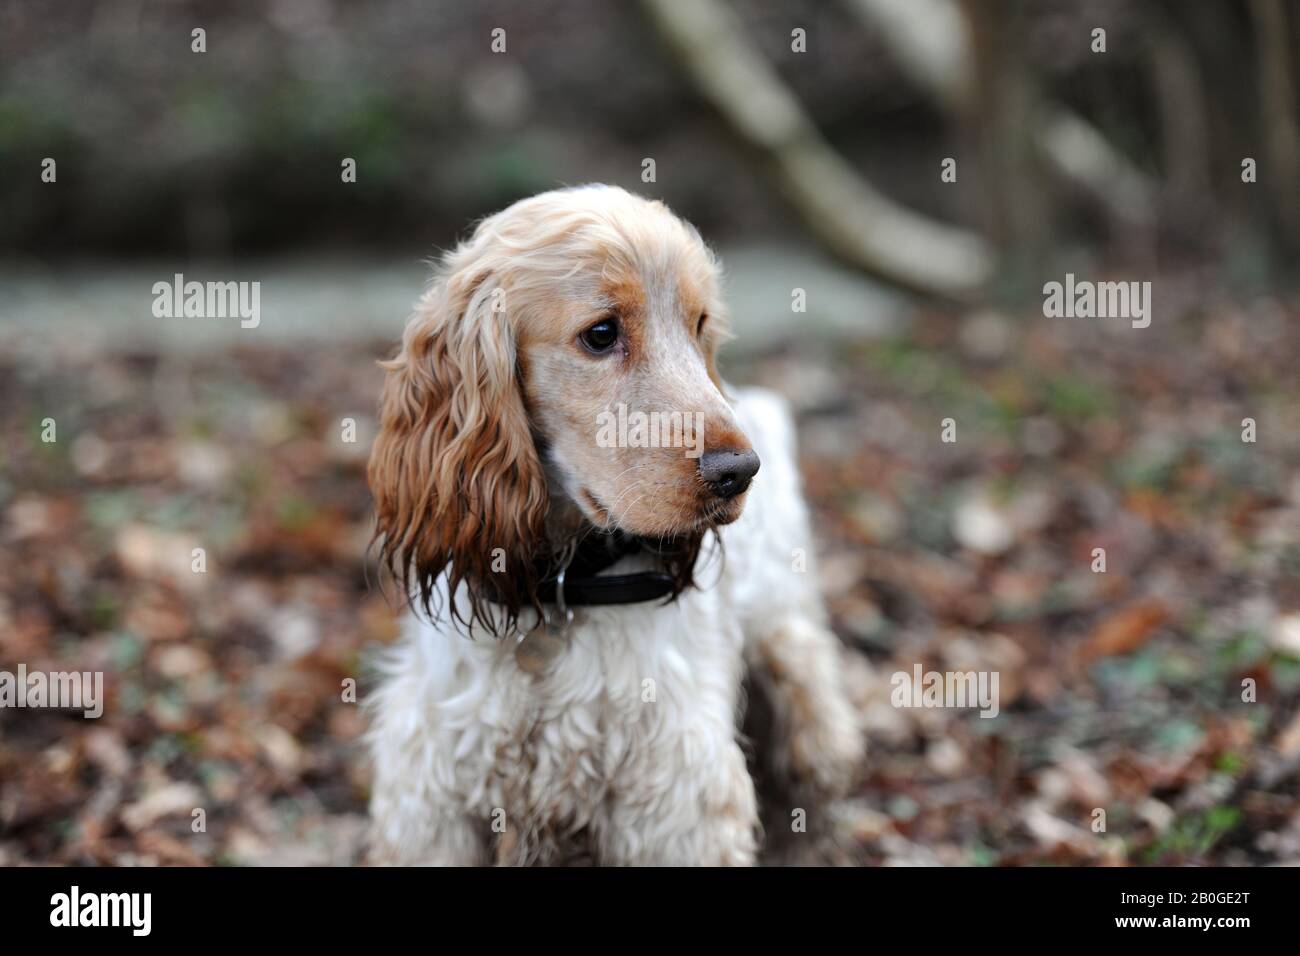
[[728, 472]]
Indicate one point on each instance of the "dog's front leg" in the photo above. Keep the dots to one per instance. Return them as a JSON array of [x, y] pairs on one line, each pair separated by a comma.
[[417, 816], [414, 824], [797, 664], [431, 839], [696, 812]]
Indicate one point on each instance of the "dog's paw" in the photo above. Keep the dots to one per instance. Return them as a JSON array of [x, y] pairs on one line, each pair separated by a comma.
[[825, 744]]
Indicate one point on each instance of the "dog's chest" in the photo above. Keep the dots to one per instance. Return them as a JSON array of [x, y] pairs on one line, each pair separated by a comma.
[[625, 700]]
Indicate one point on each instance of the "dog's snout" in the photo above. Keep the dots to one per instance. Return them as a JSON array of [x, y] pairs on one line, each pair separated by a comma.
[[727, 472]]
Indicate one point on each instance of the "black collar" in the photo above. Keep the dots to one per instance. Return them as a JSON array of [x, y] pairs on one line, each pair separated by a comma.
[[584, 585]]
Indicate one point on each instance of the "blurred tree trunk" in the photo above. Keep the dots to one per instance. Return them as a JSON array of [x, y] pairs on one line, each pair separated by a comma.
[[1277, 79], [998, 121], [930, 40], [1189, 199], [840, 206]]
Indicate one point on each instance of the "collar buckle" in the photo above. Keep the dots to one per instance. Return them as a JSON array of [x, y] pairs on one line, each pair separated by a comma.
[[564, 612]]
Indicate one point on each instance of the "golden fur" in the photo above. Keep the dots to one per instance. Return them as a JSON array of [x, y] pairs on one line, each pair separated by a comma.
[[617, 739], [490, 368]]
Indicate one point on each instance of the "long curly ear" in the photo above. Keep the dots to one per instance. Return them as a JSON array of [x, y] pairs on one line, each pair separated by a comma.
[[457, 482]]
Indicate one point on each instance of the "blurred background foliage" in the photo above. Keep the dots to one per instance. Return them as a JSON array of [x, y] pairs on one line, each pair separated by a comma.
[[236, 152]]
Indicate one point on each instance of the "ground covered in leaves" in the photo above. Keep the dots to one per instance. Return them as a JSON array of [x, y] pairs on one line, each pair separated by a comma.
[[1121, 691]]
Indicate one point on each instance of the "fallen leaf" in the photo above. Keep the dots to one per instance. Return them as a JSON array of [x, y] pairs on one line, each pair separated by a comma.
[[1124, 631], [166, 801]]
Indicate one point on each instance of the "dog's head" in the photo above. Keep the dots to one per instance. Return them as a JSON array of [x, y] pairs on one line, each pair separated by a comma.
[[558, 374]]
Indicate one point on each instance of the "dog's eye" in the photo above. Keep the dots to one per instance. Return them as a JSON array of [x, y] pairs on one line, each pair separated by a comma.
[[601, 337], [699, 326]]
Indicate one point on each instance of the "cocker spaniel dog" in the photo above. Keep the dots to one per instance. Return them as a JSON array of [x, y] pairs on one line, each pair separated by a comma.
[[573, 501]]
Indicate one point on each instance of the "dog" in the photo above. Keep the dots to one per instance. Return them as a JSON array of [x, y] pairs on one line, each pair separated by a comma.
[[568, 685]]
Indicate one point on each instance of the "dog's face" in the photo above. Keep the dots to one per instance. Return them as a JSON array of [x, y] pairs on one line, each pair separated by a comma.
[[617, 365], [565, 360]]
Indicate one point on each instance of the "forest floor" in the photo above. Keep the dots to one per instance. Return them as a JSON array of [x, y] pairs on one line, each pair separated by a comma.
[[1164, 691]]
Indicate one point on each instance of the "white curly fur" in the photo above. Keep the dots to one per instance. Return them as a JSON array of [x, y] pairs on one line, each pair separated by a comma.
[[463, 738], [624, 748]]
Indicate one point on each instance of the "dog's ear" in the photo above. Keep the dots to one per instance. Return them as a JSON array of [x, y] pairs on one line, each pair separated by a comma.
[[456, 478]]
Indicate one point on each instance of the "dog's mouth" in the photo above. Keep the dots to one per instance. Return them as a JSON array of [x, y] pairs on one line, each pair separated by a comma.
[[709, 515], [720, 513], [597, 513]]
